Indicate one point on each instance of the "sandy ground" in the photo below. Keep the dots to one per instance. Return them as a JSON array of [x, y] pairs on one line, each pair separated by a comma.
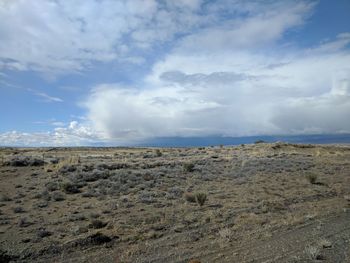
[[250, 203]]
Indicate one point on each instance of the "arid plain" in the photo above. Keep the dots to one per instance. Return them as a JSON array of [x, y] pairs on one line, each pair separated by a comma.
[[250, 203]]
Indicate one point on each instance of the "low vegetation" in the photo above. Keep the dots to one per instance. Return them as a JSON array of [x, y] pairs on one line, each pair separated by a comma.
[[201, 198], [312, 178], [188, 167], [226, 204], [190, 197]]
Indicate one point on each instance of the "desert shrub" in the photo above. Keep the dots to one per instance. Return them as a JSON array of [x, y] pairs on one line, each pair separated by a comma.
[[325, 243], [67, 169], [54, 161], [77, 217], [272, 206], [190, 197], [52, 186], [40, 204], [96, 224], [90, 193], [24, 222], [259, 141], [20, 161], [312, 178], [104, 184], [276, 146], [18, 209], [95, 239], [147, 197], [174, 192], [43, 195], [42, 232], [94, 215], [58, 196], [313, 253], [146, 177], [5, 198], [77, 230], [70, 188], [158, 153], [87, 168], [188, 167], [114, 190], [111, 167], [201, 198], [36, 162], [93, 176]]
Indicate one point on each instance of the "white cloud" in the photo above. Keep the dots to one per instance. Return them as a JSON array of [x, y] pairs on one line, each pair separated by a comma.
[[74, 135], [42, 95], [250, 32], [232, 94], [134, 114], [67, 36], [331, 46], [47, 97]]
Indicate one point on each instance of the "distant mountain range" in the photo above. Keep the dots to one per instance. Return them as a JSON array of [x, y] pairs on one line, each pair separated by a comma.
[[217, 140]]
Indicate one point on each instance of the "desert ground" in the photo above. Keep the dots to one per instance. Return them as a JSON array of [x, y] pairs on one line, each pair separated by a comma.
[[262, 202]]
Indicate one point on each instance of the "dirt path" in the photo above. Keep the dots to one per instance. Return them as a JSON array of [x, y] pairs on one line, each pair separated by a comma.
[[284, 246], [290, 246]]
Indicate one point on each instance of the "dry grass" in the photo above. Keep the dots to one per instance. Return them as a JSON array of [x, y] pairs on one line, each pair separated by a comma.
[[226, 235], [148, 205], [201, 198], [312, 178], [62, 162], [313, 253]]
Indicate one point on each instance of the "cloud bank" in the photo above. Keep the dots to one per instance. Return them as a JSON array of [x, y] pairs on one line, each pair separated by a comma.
[[307, 94], [235, 80]]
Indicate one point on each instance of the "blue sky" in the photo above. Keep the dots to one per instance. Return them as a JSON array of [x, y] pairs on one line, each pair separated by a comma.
[[85, 71]]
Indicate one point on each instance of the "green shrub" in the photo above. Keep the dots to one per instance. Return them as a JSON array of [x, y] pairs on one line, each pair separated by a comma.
[[188, 167], [18, 209], [201, 198], [259, 141], [95, 223], [190, 197], [58, 196], [312, 178], [158, 153], [70, 188]]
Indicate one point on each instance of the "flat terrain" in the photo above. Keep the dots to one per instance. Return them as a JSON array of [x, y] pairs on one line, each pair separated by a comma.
[[251, 203]]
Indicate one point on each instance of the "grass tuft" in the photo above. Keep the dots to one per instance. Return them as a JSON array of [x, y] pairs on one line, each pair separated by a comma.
[[312, 178], [201, 198]]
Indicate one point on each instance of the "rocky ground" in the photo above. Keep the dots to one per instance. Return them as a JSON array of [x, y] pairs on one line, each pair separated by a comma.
[[250, 203]]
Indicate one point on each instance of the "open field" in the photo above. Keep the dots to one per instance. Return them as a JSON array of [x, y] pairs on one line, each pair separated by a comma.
[[251, 203]]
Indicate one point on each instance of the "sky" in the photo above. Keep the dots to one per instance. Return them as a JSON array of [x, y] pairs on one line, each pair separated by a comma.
[[87, 72]]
